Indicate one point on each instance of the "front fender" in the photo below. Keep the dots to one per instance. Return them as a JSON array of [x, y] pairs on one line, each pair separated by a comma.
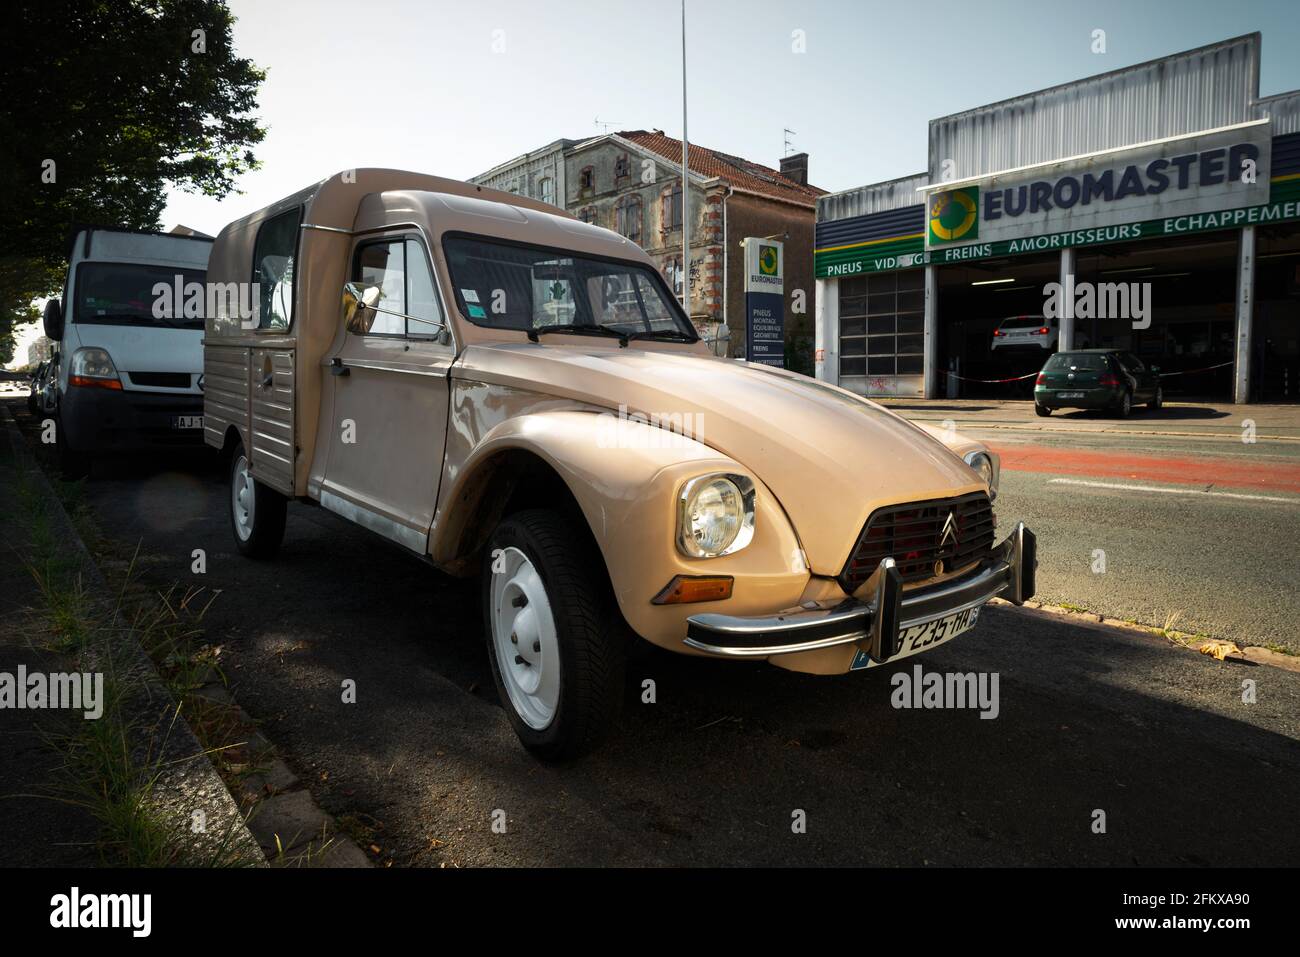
[[625, 476]]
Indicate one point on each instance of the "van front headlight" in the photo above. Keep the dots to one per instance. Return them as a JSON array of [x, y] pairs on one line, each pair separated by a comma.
[[94, 367], [715, 515], [985, 468]]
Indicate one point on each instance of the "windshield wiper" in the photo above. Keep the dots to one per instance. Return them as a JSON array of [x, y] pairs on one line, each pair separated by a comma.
[[663, 333], [579, 330]]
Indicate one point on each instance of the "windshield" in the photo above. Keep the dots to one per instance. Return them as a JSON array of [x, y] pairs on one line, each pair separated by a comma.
[[1080, 362], [504, 286], [122, 294]]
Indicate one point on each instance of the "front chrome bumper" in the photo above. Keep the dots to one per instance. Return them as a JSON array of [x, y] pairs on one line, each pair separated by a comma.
[[877, 613]]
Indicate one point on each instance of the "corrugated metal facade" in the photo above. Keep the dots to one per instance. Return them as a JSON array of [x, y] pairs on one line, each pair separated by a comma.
[[1198, 90], [877, 198], [1283, 109]]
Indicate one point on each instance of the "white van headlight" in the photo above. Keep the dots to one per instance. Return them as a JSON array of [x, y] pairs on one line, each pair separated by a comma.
[[92, 363], [982, 463], [715, 515]]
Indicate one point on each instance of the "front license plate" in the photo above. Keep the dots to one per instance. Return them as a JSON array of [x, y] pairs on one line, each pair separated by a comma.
[[924, 636], [1069, 395], [187, 421]]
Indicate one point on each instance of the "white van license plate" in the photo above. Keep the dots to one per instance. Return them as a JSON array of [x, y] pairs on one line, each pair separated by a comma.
[[187, 421]]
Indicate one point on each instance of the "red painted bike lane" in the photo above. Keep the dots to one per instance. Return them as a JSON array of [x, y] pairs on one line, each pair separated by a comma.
[[1201, 470]]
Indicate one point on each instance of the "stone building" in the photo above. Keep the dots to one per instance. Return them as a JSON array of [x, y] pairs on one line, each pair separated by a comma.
[[630, 182]]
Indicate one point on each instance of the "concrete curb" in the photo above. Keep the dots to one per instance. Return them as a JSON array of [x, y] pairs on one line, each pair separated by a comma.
[[188, 785], [1250, 653]]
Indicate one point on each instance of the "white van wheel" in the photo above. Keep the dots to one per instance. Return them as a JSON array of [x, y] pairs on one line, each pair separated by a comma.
[[556, 640], [256, 512], [524, 639]]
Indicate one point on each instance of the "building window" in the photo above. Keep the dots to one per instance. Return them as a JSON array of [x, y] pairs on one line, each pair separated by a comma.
[[627, 217], [546, 190], [622, 168], [588, 214], [586, 180], [671, 216], [882, 324]]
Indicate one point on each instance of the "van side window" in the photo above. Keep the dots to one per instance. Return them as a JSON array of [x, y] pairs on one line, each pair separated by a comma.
[[400, 270], [426, 314], [382, 264], [273, 254]]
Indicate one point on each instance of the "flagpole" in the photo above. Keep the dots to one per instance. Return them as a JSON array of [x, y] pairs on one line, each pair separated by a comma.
[[686, 186]]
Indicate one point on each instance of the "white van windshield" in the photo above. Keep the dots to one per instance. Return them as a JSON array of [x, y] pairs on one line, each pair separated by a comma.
[[504, 286], [123, 294]]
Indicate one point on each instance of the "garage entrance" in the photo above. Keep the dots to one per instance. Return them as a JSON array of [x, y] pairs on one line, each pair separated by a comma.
[[975, 300], [1276, 373]]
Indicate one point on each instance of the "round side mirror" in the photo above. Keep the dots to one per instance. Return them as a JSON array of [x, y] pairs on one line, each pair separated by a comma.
[[358, 307], [53, 320]]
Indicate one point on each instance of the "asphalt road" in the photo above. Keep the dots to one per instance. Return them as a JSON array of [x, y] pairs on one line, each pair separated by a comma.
[[1090, 719]]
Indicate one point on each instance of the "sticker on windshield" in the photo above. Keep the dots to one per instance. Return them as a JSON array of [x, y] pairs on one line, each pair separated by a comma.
[[476, 312], [471, 295]]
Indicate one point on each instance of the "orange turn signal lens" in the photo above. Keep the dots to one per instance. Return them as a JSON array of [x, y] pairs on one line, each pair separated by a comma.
[[87, 381], [684, 589]]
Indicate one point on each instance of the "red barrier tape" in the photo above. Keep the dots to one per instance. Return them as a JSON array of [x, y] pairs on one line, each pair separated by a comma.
[[1166, 375], [1021, 378]]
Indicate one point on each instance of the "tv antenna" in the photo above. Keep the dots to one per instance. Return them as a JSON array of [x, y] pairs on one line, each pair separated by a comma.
[[605, 126], [789, 147]]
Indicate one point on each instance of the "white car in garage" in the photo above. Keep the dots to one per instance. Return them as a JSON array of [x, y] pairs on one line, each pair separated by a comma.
[[1026, 331]]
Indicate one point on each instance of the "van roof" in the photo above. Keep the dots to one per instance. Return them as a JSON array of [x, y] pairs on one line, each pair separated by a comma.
[[87, 230]]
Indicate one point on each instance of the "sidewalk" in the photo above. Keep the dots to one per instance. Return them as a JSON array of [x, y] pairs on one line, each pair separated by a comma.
[[37, 831], [1205, 419]]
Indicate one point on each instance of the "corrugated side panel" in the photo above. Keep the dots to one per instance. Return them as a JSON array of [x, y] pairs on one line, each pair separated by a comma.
[[272, 426], [889, 224], [1286, 155], [866, 200], [1200, 89], [225, 391], [1284, 110]]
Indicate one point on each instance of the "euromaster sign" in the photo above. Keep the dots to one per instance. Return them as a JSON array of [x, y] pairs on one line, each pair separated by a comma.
[[1218, 179], [1209, 172]]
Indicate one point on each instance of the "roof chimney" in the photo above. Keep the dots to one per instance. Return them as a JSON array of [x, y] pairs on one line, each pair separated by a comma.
[[795, 167]]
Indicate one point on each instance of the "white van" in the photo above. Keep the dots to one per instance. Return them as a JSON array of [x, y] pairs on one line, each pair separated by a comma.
[[128, 379]]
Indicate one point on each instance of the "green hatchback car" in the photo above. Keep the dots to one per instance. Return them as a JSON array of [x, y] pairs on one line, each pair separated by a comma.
[[1097, 379]]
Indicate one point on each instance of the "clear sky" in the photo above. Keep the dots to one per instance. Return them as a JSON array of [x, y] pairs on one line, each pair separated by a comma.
[[454, 88], [428, 85]]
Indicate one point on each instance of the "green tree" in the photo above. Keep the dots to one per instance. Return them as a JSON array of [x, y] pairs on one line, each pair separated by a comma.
[[106, 103]]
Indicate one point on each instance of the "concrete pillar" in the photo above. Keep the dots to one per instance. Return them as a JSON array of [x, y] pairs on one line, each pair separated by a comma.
[[826, 331], [1069, 261], [1245, 314], [931, 342]]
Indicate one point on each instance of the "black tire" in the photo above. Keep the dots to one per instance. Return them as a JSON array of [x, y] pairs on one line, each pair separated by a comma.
[[265, 523], [72, 464], [1041, 410], [1157, 401], [1125, 405], [590, 633]]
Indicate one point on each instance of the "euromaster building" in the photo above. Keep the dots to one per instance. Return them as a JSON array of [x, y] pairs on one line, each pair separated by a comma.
[[1164, 199]]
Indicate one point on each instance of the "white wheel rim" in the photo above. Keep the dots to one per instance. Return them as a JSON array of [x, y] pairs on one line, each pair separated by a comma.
[[524, 640], [242, 499]]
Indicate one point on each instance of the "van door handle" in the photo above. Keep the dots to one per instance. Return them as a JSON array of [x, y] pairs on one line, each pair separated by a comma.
[[338, 368]]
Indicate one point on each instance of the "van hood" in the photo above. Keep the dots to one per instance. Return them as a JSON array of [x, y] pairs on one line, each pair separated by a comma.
[[144, 348], [829, 456]]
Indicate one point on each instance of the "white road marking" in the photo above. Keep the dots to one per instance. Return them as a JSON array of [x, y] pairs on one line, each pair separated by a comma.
[[1175, 491]]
